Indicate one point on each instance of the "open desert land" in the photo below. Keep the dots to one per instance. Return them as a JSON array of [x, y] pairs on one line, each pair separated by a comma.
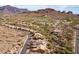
[[11, 40], [45, 31]]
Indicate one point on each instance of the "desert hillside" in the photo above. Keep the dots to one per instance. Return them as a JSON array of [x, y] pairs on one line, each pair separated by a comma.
[[51, 32]]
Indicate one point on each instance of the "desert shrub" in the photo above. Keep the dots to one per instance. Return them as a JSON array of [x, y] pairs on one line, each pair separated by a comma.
[[62, 50], [49, 46], [68, 19]]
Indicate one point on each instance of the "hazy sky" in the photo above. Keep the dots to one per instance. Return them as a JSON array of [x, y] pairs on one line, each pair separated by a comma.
[[74, 8]]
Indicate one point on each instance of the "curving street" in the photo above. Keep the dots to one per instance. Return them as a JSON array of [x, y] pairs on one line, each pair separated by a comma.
[[24, 50]]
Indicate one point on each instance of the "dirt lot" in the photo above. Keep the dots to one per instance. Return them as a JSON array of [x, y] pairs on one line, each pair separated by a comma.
[[11, 40]]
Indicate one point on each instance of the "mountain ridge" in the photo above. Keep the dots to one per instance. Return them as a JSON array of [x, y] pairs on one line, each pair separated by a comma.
[[12, 9]]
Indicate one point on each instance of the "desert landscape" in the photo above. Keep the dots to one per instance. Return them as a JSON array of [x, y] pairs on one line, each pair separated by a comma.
[[44, 31]]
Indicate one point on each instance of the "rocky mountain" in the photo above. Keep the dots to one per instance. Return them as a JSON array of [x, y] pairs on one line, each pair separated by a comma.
[[11, 9], [55, 14]]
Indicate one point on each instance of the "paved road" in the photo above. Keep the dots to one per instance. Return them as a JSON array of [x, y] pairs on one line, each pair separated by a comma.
[[77, 40], [25, 47], [77, 46]]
